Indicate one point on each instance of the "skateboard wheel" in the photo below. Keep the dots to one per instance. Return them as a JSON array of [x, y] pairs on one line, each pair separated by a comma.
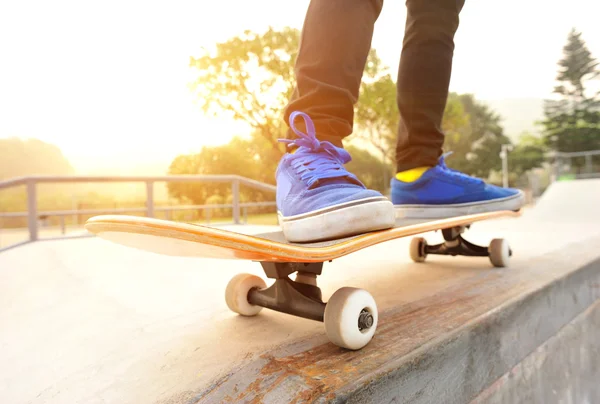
[[499, 252], [350, 318], [236, 294], [417, 249]]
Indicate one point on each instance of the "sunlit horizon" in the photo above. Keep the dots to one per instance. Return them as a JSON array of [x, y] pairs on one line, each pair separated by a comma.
[[107, 83]]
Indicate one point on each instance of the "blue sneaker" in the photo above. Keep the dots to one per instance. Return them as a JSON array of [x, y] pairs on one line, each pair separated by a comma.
[[318, 199], [443, 192]]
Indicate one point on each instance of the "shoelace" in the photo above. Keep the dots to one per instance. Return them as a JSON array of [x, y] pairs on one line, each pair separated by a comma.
[[455, 173], [316, 160]]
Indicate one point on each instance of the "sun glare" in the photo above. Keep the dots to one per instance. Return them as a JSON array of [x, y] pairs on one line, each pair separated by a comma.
[[108, 83]]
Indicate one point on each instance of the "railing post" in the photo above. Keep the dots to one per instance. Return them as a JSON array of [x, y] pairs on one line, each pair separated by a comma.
[[235, 191], [150, 198], [557, 163], [588, 163], [32, 210]]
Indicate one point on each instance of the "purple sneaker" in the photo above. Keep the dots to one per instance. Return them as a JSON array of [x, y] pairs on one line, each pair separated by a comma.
[[318, 199]]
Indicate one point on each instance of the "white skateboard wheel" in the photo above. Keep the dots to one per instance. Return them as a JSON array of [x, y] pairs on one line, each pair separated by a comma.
[[236, 294], [351, 318], [417, 249], [499, 252]]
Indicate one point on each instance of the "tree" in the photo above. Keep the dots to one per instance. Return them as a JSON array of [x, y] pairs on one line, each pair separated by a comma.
[[368, 169], [474, 134], [527, 155], [457, 130], [20, 157], [251, 78], [376, 113], [572, 122], [238, 157], [577, 65], [487, 137], [376, 116]]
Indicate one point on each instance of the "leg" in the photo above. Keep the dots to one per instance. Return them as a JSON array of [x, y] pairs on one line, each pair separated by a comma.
[[424, 186], [423, 80], [335, 43], [317, 198]]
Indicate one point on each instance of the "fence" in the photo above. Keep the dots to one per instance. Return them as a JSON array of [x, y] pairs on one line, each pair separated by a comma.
[[564, 167], [33, 215]]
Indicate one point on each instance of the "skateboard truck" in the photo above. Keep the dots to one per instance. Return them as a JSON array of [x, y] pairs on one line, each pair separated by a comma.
[[455, 244], [350, 316], [301, 297]]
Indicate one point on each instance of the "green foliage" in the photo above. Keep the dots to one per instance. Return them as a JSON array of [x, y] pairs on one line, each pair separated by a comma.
[[527, 155], [373, 172], [572, 123], [472, 131], [577, 66], [20, 157], [473, 134], [239, 157], [251, 78], [234, 158], [456, 128], [376, 115]]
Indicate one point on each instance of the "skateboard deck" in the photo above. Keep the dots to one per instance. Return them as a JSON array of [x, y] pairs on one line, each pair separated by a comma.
[[350, 315], [184, 239]]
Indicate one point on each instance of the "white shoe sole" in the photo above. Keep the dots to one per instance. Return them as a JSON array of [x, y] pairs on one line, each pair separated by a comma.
[[339, 221], [513, 202]]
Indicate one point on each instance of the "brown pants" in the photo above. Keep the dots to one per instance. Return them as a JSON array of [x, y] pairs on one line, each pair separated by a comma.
[[336, 39]]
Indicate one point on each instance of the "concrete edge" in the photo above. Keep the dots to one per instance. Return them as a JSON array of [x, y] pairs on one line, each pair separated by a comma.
[[452, 345], [460, 365], [564, 369]]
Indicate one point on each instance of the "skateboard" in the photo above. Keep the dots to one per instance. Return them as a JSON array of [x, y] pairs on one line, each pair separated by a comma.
[[350, 315]]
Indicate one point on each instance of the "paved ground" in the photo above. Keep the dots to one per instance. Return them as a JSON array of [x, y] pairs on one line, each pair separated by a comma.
[[9, 237], [87, 321]]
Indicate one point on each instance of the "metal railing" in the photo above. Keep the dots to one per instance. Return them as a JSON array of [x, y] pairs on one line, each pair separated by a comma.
[[33, 214], [563, 163]]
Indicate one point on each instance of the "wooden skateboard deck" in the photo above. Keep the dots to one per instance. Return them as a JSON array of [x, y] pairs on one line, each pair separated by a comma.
[[183, 239], [350, 316]]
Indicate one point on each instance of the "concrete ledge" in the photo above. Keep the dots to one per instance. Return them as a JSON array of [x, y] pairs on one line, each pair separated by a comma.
[[565, 369], [455, 344]]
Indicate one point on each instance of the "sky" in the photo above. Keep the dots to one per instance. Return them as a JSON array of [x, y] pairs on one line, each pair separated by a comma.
[[107, 81]]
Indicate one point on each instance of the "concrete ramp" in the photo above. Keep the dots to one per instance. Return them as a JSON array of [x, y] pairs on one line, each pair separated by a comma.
[[87, 321], [569, 201]]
